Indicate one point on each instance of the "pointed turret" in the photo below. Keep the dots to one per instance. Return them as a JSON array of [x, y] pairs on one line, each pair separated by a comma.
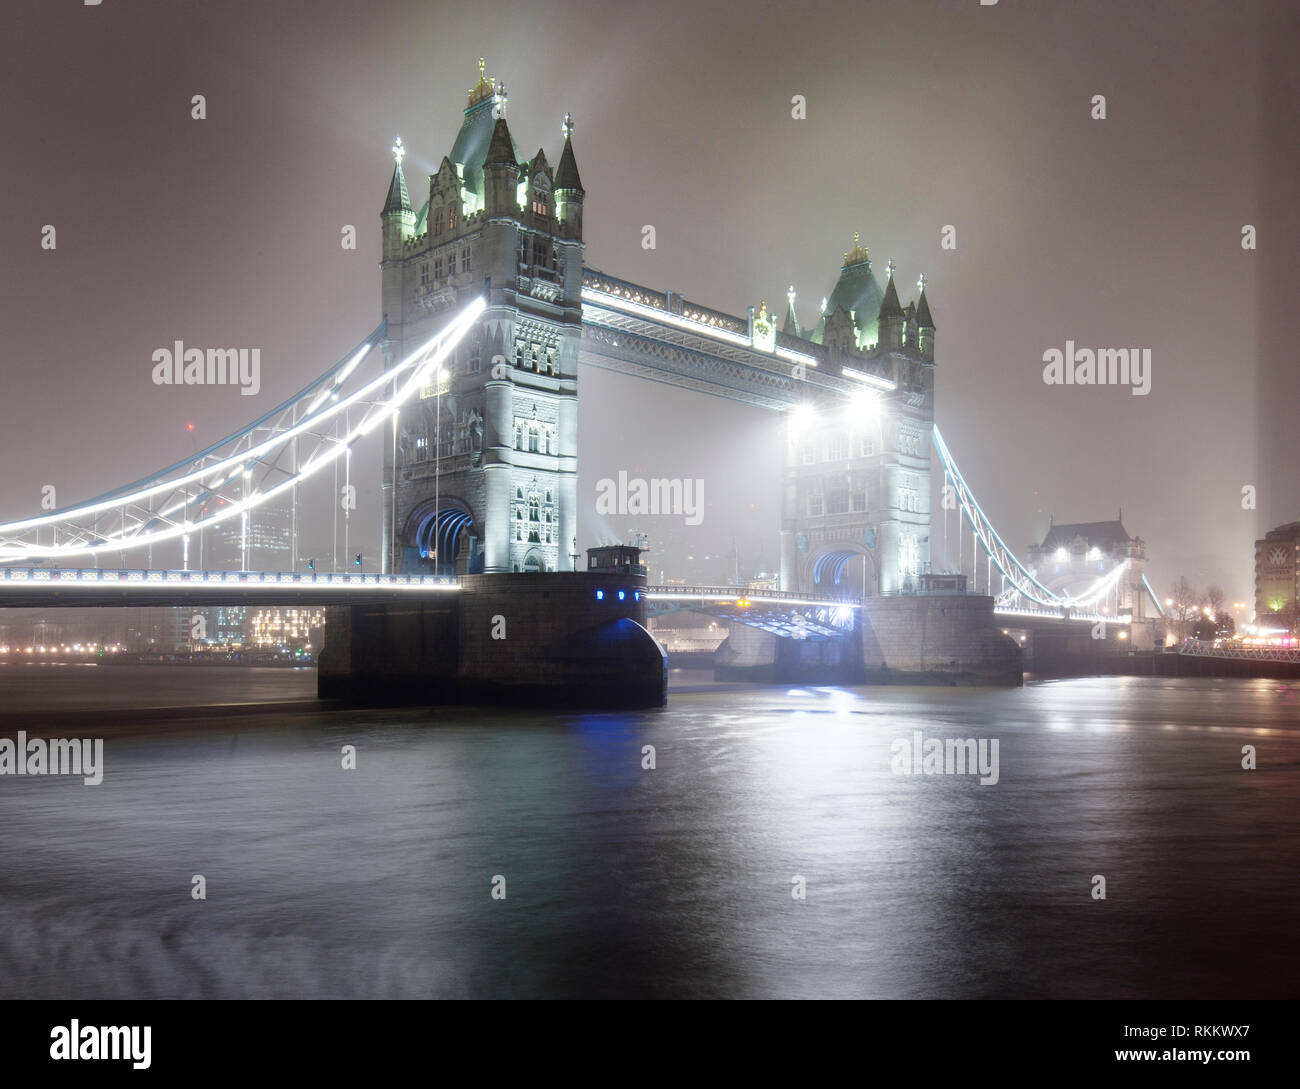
[[501, 171], [890, 316], [569, 193], [397, 217], [399, 200], [791, 325], [924, 324]]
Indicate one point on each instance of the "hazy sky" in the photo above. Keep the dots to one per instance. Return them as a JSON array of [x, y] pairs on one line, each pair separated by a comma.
[[1119, 232]]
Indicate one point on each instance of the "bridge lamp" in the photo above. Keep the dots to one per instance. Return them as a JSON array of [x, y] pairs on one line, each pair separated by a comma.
[[1062, 554], [865, 402], [802, 417]]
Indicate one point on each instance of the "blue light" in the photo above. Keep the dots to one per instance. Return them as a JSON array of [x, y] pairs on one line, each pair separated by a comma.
[[621, 595], [600, 595], [637, 595]]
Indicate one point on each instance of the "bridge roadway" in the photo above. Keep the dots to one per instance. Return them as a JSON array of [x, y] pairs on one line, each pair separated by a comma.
[[785, 613]]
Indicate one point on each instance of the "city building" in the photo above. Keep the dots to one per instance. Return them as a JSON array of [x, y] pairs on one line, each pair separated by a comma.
[[286, 627], [260, 540], [1277, 577]]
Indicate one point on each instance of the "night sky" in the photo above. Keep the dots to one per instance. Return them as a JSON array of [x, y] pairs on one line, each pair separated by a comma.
[[1122, 232]]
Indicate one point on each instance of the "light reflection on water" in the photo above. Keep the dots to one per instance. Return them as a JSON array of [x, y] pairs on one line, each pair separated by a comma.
[[671, 882]]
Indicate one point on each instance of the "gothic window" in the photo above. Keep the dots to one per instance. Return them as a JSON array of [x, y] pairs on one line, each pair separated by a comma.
[[859, 502], [534, 537], [839, 447], [866, 447], [519, 536], [424, 274], [437, 221], [838, 501], [464, 260], [532, 440], [437, 268], [475, 355], [519, 493], [519, 354], [422, 448], [451, 218], [815, 507], [519, 445], [548, 495], [550, 443], [534, 512]]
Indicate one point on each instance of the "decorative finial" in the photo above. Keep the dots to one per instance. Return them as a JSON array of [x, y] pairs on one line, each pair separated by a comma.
[[399, 152], [921, 281], [823, 304], [762, 310], [483, 89], [789, 294], [568, 125], [856, 255], [889, 268], [502, 97]]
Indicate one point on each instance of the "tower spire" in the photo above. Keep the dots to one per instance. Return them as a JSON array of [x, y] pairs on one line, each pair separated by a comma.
[[398, 198], [791, 325]]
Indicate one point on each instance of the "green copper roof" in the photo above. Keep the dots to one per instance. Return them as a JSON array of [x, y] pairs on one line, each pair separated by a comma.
[[472, 143], [858, 292]]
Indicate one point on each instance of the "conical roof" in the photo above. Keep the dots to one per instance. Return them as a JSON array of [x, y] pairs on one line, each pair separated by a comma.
[[566, 175], [398, 198]]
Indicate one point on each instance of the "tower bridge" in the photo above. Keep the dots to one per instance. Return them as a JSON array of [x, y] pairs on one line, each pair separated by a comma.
[[488, 309]]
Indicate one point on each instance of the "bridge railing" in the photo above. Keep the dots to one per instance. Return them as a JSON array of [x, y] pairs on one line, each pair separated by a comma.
[[142, 577], [740, 593]]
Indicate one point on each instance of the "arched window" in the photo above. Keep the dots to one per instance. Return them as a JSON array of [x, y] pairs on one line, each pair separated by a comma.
[[534, 510]]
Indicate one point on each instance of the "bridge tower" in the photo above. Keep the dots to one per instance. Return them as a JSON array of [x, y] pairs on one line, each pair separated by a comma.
[[480, 474], [856, 501]]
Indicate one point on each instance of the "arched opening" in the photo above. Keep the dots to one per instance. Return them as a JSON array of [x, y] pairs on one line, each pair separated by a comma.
[[533, 562], [843, 572], [441, 541]]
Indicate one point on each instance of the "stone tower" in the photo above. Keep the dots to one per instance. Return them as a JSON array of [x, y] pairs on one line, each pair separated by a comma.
[[480, 474], [856, 509]]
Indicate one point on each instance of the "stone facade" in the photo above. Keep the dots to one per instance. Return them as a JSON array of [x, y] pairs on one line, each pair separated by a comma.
[[856, 500], [481, 475]]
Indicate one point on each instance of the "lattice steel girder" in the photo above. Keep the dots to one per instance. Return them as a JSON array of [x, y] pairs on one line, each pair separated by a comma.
[[239, 473]]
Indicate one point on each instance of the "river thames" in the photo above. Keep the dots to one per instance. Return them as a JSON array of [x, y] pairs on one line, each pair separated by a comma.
[[680, 880]]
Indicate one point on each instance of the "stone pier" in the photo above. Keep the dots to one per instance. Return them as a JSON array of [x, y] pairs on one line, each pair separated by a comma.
[[569, 639]]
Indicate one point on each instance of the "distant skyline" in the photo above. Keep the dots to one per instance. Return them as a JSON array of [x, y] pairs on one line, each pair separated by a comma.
[[1117, 232]]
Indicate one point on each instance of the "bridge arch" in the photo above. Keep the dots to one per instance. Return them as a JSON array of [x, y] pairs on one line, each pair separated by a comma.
[[841, 569], [438, 539]]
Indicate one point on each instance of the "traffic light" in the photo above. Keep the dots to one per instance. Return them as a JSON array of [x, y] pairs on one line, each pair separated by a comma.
[[311, 564], [357, 561]]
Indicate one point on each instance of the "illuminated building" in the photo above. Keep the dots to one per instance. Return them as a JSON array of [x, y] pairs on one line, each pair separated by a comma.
[[1277, 576], [481, 474], [285, 627]]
